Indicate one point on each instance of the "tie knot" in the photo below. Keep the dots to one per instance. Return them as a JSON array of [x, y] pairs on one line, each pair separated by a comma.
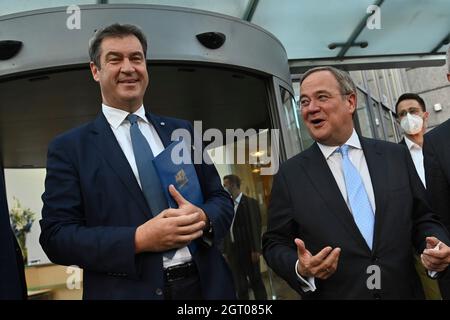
[[132, 118], [344, 150]]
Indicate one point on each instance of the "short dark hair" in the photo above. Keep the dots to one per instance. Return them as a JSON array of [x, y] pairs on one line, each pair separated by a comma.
[[234, 179], [410, 96], [114, 30]]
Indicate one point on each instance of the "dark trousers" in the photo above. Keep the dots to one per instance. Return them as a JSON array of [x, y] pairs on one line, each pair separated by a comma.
[[444, 286], [183, 288], [247, 275]]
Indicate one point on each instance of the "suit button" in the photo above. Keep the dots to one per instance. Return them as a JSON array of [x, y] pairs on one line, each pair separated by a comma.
[[377, 296], [159, 292]]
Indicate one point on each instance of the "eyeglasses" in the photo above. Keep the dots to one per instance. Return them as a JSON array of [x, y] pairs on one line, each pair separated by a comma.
[[412, 110]]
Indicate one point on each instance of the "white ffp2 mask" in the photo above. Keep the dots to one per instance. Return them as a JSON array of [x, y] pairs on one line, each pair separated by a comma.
[[411, 124]]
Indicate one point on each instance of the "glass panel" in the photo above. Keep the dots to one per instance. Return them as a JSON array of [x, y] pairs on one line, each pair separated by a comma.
[[401, 22], [235, 8], [291, 21], [304, 134], [357, 78], [377, 119], [372, 84], [8, 6], [293, 141], [364, 116], [388, 125], [385, 92]]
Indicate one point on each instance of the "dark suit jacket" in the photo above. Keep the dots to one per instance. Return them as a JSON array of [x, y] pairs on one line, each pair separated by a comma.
[[12, 276], [403, 142], [246, 232], [307, 203], [436, 149], [93, 205]]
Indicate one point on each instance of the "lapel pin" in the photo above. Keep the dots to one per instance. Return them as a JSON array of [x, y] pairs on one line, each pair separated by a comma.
[[163, 123]]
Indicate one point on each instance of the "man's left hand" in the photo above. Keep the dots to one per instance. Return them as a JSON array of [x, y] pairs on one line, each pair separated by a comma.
[[436, 257], [184, 207]]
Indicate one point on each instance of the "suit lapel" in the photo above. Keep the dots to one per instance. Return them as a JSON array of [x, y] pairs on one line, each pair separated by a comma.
[[323, 181], [377, 166], [161, 128], [106, 142]]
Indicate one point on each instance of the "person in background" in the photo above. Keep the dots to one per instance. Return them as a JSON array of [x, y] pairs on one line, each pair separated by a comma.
[[242, 245], [413, 117]]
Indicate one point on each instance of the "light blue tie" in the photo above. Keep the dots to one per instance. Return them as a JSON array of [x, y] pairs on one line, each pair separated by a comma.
[[357, 197], [150, 183]]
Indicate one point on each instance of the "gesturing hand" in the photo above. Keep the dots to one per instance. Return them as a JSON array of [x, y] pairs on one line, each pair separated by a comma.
[[322, 266], [436, 257]]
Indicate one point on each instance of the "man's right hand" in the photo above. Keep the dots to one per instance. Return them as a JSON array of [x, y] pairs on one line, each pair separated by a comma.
[[322, 266], [163, 233]]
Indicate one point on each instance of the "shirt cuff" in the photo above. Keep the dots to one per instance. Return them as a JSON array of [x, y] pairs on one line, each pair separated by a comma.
[[307, 284]]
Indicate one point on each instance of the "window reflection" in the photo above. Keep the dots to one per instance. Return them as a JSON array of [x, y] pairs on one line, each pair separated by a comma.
[[389, 125], [363, 115], [296, 131]]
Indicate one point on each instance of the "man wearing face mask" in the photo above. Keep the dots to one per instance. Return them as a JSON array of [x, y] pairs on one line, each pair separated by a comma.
[[412, 115]]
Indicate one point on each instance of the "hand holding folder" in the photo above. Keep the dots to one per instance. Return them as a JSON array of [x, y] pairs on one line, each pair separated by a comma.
[[182, 176]]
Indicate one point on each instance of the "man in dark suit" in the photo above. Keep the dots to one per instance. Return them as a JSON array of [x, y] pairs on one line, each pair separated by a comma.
[[345, 213], [12, 276], [437, 174], [242, 245], [104, 209], [412, 115]]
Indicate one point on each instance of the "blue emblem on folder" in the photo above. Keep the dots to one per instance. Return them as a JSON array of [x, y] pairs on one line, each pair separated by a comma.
[[182, 175]]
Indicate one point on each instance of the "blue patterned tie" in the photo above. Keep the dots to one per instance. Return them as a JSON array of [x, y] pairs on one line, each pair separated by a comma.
[[150, 183], [357, 197]]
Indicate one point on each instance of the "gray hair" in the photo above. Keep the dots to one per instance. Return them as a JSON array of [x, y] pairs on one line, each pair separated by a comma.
[[346, 84], [114, 30]]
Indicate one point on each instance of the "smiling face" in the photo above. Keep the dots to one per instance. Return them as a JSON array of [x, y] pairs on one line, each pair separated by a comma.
[[326, 112], [122, 73]]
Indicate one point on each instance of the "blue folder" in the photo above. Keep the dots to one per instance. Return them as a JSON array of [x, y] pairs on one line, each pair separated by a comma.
[[183, 176]]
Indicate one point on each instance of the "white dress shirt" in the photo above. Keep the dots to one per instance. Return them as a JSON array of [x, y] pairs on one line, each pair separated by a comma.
[[236, 205], [334, 161], [417, 156], [121, 129]]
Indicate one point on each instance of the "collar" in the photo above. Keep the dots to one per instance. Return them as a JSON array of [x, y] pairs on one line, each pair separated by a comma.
[[116, 116], [411, 144], [238, 198], [353, 142]]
